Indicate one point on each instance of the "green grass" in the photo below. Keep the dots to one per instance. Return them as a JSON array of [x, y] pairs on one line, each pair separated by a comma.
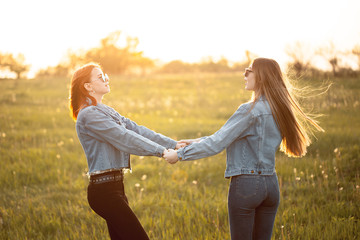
[[43, 182]]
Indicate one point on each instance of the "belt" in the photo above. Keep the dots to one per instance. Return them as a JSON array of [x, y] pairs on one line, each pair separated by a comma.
[[112, 176]]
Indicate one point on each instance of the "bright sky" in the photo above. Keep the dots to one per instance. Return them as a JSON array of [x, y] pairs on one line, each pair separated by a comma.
[[43, 30]]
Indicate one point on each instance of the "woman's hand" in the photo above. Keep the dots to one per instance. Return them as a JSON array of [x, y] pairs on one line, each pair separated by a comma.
[[189, 141], [170, 156], [180, 145]]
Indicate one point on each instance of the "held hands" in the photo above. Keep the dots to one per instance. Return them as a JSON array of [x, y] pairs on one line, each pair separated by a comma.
[[170, 155]]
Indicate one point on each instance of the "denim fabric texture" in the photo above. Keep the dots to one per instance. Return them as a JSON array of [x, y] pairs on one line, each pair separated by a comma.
[[250, 136], [108, 138], [253, 202]]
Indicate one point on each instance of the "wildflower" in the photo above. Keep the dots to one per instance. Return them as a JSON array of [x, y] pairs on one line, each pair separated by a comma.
[[137, 185], [141, 157], [326, 176], [294, 170], [320, 166], [60, 143], [297, 178], [312, 175], [58, 156], [142, 189], [143, 177], [194, 182], [336, 150], [357, 186], [340, 189], [3, 134]]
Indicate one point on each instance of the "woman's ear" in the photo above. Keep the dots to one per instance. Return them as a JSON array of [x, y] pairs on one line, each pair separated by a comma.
[[87, 86]]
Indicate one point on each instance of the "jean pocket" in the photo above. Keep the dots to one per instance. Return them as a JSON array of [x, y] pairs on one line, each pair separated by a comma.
[[247, 186]]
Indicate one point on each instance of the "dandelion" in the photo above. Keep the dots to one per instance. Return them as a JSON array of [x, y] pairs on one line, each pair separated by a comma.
[[143, 177], [194, 182], [137, 185]]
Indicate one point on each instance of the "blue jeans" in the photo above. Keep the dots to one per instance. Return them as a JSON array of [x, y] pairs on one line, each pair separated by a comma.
[[253, 201]]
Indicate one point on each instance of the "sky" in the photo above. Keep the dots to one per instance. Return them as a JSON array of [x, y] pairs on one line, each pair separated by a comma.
[[189, 30]]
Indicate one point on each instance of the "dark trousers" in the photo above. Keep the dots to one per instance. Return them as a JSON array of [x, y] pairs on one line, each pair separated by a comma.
[[109, 201], [253, 203]]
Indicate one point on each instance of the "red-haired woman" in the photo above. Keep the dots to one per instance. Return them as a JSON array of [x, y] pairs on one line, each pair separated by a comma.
[[108, 139], [251, 137]]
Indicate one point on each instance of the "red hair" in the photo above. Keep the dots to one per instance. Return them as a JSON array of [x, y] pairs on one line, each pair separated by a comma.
[[78, 94]]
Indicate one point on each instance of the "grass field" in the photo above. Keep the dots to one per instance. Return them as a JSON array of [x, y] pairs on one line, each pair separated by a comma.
[[43, 182]]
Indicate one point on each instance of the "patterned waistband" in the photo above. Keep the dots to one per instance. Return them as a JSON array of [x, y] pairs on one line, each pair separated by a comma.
[[107, 177]]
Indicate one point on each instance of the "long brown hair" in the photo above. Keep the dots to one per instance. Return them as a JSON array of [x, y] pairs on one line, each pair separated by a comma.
[[78, 93], [289, 116]]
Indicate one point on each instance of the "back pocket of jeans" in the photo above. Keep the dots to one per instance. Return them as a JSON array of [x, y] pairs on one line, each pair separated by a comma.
[[247, 186]]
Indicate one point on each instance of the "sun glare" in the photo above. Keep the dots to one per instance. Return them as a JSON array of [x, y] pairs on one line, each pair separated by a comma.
[[170, 30]]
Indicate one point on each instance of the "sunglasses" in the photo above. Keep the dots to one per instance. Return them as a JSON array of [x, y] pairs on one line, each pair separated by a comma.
[[247, 72], [103, 77]]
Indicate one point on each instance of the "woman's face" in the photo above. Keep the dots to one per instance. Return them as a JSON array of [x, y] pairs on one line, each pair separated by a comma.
[[249, 79], [99, 81]]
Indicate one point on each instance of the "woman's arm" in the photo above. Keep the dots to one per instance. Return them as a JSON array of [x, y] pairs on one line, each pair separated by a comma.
[[105, 128], [150, 134], [237, 126]]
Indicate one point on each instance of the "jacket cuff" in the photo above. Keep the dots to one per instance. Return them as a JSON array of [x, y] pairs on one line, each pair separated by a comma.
[[172, 144], [159, 151], [180, 154]]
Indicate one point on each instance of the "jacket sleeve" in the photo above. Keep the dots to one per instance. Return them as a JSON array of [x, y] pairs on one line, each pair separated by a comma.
[[105, 128], [237, 126], [150, 134]]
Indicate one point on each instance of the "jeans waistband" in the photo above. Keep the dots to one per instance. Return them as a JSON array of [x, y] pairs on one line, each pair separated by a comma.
[[113, 176]]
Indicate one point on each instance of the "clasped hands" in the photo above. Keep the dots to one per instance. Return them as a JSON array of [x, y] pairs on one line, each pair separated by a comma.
[[170, 155]]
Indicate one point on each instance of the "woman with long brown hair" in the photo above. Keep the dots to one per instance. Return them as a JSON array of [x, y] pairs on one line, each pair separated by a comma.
[[251, 137], [108, 139]]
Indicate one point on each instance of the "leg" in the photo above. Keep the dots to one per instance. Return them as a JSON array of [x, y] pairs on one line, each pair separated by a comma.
[[265, 213], [107, 200], [245, 194]]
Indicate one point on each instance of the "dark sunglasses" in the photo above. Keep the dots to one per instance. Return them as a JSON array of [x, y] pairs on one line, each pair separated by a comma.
[[247, 71]]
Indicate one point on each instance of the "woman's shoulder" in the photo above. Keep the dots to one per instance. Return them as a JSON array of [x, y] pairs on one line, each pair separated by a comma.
[[88, 111]]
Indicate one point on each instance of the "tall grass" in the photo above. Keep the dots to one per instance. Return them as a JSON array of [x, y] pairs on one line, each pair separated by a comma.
[[43, 182]]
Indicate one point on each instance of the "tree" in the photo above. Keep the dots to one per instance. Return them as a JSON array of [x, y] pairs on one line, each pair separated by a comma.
[[356, 52], [300, 58], [331, 55], [14, 64]]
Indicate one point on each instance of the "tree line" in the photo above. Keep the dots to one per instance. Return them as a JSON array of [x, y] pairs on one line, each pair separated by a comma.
[[128, 60]]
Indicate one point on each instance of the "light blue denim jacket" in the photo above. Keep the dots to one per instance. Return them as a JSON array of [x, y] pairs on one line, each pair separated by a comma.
[[250, 138], [108, 138]]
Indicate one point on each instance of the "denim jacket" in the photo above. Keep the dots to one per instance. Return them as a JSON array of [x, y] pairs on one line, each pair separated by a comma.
[[108, 138], [251, 138]]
